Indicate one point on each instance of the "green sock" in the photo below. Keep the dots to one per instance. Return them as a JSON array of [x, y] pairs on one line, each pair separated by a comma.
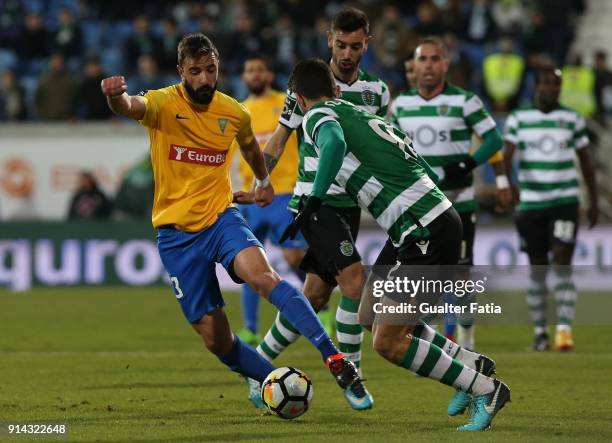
[[428, 360], [348, 330]]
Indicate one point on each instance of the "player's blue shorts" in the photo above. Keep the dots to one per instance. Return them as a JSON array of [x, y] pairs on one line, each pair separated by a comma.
[[190, 258], [271, 221]]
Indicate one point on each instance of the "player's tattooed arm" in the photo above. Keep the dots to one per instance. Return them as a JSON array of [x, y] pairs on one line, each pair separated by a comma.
[[276, 146], [271, 161]]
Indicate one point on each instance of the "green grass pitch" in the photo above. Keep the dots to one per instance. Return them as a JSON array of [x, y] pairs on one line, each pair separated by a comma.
[[118, 364]]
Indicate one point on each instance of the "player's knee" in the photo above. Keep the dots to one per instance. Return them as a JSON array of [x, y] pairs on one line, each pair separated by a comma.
[[351, 281], [293, 257], [318, 300], [386, 346], [263, 282]]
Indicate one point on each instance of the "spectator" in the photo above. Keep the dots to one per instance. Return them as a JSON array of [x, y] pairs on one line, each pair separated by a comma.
[[34, 40], [503, 73], [169, 42], [392, 44], [578, 87], [55, 93], [148, 75], [68, 39], [12, 103], [12, 14], [603, 86], [92, 104], [509, 16], [286, 44], [428, 21], [460, 70], [142, 42], [88, 201], [313, 42], [135, 195], [479, 24], [244, 41]]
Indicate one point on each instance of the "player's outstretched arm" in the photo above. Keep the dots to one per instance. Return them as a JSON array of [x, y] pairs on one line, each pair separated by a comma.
[[508, 154], [276, 146], [115, 90], [588, 172]]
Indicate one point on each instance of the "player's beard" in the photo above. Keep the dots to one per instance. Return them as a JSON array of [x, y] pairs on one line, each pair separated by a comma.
[[352, 66], [257, 89], [203, 95]]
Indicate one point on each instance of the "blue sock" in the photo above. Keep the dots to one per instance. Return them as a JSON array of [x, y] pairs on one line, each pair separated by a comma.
[[245, 360], [250, 308], [449, 318], [294, 306]]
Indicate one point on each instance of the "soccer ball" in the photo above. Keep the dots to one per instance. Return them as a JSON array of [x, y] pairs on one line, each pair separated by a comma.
[[287, 392]]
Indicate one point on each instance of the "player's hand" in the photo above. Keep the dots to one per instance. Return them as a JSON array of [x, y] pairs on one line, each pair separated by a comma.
[[263, 195], [593, 215], [504, 199], [457, 170], [114, 86], [243, 198], [308, 211]]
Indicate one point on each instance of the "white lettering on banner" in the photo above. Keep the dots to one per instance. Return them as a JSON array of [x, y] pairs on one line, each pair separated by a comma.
[[125, 263], [68, 270], [17, 275], [203, 156], [24, 262], [96, 252]]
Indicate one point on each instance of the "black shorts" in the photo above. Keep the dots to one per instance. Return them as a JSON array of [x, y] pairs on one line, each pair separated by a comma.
[[442, 247], [331, 242], [468, 221], [540, 229]]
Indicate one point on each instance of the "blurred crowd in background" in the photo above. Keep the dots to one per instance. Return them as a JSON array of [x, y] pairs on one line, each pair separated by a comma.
[[53, 53]]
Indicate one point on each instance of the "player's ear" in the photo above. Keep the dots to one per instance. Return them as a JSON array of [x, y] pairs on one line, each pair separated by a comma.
[[367, 42], [330, 39], [179, 69], [446, 65], [338, 93]]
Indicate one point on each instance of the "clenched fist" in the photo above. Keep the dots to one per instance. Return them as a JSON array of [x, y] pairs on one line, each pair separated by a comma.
[[114, 86]]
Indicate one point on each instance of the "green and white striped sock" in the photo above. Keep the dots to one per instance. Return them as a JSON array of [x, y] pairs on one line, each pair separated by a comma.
[[428, 360], [536, 302], [280, 335], [565, 296], [348, 330], [425, 332]]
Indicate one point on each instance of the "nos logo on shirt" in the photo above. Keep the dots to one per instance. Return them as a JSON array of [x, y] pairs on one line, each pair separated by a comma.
[[202, 156]]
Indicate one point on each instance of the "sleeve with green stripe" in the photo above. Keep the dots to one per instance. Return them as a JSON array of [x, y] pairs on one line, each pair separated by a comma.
[[329, 138], [511, 129], [384, 100], [476, 116], [478, 119], [581, 139]]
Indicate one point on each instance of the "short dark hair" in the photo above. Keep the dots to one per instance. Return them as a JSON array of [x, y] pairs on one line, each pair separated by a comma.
[[261, 57], [312, 78], [195, 45], [433, 40], [350, 20], [410, 56], [545, 70]]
